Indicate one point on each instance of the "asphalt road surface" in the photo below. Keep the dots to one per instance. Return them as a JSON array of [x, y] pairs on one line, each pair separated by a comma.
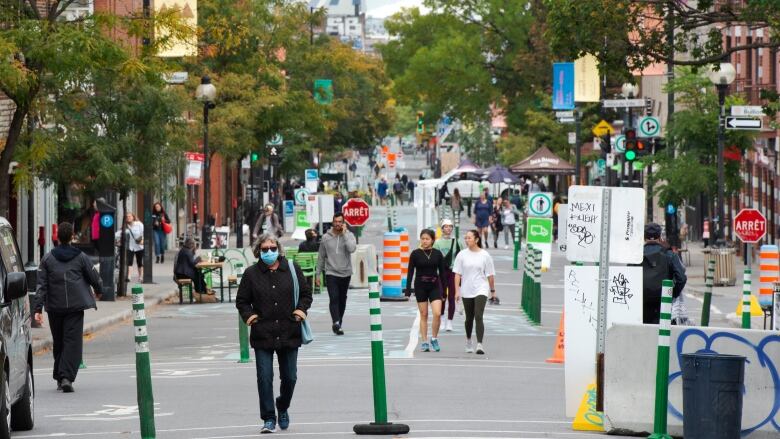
[[201, 391]]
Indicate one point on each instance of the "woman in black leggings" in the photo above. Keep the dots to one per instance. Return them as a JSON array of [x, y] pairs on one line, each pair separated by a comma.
[[429, 264], [474, 278]]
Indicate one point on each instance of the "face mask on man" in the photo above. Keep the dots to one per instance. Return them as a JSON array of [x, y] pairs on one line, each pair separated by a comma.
[[269, 257]]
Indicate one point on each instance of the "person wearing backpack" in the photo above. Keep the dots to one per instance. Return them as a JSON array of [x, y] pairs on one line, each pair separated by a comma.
[[659, 263]]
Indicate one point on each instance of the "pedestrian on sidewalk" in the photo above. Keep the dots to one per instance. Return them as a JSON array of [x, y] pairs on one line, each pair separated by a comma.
[[65, 276], [335, 260], [659, 263], [449, 248], [160, 243], [428, 262], [705, 234], [456, 203], [482, 210], [508, 218], [134, 240], [474, 278], [266, 302], [496, 226], [268, 222]]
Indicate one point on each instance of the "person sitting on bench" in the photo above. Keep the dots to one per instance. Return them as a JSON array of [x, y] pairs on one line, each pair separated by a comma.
[[184, 267]]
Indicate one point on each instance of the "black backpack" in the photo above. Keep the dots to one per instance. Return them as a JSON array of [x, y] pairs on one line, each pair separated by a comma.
[[655, 268]]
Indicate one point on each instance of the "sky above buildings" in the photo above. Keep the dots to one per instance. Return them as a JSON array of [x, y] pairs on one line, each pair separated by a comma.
[[385, 8]]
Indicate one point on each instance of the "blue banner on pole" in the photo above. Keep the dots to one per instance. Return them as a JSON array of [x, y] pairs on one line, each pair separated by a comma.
[[563, 86]]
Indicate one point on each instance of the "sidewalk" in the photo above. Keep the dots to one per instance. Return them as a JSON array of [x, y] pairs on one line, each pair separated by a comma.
[[725, 299], [110, 313]]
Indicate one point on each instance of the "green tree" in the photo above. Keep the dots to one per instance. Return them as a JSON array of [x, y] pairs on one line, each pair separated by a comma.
[[467, 55], [48, 54], [631, 35], [693, 170]]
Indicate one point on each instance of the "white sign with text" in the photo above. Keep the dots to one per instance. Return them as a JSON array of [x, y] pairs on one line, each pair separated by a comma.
[[624, 305]]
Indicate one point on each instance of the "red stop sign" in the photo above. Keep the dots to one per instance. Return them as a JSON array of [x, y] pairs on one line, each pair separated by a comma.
[[356, 212], [749, 225]]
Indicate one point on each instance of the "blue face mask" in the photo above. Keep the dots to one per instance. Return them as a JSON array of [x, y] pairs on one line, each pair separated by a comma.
[[269, 257]]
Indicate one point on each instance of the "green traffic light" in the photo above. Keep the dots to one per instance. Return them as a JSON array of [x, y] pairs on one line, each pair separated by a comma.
[[255, 156], [630, 156]]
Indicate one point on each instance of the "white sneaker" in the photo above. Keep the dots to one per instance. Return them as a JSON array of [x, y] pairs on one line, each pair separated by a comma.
[[506, 247], [469, 347], [448, 326], [480, 350], [443, 321]]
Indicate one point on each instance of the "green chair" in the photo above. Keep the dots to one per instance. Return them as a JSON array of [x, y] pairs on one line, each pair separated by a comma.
[[290, 253], [308, 266]]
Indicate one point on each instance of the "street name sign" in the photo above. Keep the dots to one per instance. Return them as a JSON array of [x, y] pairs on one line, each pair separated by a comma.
[[649, 126], [602, 129], [540, 204], [623, 103], [740, 123], [566, 120], [747, 110], [356, 212], [749, 225], [564, 114]]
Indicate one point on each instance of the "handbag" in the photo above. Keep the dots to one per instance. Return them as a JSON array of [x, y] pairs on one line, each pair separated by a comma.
[[166, 226], [306, 334]]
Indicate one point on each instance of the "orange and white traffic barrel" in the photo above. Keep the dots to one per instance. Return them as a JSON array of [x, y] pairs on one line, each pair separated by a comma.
[[391, 265], [770, 273], [404, 256]]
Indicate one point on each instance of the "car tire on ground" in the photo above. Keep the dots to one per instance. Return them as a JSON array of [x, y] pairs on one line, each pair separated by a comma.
[[23, 412], [5, 407]]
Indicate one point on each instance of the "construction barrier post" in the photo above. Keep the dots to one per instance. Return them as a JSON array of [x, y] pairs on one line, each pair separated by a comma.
[[537, 309], [662, 363], [517, 247], [380, 424], [770, 273], [705, 308], [143, 367], [746, 290], [391, 268], [243, 341]]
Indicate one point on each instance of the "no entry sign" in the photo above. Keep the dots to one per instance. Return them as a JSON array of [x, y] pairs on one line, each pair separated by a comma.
[[749, 225], [356, 212]]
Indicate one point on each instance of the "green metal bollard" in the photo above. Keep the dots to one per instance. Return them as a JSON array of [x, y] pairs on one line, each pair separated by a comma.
[[517, 247], [536, 312], [662, 366], [143, 367], [380, 424], [708, 281], [746, 290], [243, 341], [82, 365]]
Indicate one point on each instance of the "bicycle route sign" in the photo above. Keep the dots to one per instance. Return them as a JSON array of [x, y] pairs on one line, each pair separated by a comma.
[[540, 204], [649, 126]]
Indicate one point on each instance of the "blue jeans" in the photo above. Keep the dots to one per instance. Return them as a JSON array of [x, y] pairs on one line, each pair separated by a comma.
[[288, 369], [159, 242]]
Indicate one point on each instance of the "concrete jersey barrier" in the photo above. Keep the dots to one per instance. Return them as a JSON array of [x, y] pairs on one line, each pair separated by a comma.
[[630, 376]]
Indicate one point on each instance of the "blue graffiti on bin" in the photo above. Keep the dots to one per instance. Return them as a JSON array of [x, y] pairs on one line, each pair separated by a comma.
[[764, 360]]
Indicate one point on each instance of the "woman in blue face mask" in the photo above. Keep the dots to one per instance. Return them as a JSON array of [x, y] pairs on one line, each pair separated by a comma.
[[266, 302]]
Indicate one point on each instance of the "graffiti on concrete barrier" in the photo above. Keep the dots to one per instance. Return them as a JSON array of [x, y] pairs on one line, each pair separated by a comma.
[[757, 357]]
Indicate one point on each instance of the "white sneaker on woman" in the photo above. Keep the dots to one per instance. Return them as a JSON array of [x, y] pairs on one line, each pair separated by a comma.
[[448, 326], [469, 347], [480, 349]]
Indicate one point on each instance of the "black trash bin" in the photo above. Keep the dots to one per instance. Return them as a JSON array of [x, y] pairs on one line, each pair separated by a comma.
[[712, 395]]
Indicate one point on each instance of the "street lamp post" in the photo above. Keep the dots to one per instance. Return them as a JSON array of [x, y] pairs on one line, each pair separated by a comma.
[[206, 93], [722, 77]]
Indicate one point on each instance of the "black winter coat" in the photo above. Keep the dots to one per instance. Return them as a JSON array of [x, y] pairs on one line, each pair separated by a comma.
[[269, 294], [64, 279], [185, 264]]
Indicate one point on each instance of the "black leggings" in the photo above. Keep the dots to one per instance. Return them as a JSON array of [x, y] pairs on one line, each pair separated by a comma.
[[475, 308], [337, 293]]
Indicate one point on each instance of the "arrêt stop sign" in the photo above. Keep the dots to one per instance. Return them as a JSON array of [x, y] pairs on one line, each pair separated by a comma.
[[749, 225], [356, 212]]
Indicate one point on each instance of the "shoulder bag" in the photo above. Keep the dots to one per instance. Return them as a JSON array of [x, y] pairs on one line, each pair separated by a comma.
[[306, 334]]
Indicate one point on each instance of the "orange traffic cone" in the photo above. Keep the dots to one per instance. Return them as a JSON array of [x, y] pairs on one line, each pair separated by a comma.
[[558, 351]]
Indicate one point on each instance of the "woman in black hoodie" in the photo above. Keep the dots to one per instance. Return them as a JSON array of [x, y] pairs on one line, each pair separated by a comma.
[[65, 276]]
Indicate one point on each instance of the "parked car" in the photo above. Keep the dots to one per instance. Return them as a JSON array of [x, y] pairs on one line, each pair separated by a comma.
[[17, 385]]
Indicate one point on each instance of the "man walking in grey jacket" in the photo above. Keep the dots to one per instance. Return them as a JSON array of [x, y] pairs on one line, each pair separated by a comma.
[[335, 258]]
